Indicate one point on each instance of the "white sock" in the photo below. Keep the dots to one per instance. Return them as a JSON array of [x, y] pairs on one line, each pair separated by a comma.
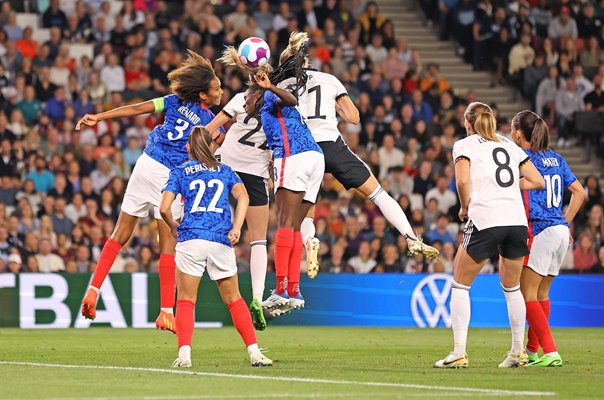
[[167, 310], [517, 316], [392, 211], [552, 354], [530, 353], [460, 317], [184, 352], [253, 348], [307, 229], [258, 263]]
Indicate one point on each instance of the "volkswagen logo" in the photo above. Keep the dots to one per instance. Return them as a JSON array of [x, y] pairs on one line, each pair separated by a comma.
[[429, 301]]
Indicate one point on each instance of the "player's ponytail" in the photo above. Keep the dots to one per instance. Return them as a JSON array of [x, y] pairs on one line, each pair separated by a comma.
[[483, 122], [200, 141], [533, 128], [193, 76]]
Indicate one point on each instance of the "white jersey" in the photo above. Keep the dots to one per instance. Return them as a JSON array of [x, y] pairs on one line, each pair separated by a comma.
[[244, 148], [317, 104], [495, 198]]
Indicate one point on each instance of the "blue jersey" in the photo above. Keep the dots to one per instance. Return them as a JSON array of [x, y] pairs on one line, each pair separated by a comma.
[[205, 190], [167, 143], [285, 129], [544, 206]]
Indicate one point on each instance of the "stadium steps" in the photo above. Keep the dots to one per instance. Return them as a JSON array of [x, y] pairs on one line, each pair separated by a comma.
[[409, 23]]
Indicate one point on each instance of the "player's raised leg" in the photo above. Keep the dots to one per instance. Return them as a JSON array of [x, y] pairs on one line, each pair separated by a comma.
[[123, 230], [229, 291], [257, 223], [167, 278], [396, 216], [311, 243]]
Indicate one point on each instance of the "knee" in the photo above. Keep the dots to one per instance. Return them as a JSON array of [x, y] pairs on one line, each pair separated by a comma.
[[230, 298]]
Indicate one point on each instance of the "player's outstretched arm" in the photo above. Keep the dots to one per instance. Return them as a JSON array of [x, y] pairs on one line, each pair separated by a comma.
[[347, 110], [577, 198], [240, 194], [165, 209], [462, 180], [214, 128], [125, 111], [286, 98], [532, 179]]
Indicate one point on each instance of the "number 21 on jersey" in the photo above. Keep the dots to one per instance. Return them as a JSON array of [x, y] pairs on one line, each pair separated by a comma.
[[553, 186]]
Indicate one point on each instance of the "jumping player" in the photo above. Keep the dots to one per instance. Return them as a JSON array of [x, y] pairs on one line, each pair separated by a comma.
[[487, 168], [548, 232], [320, 100], [245, 150], [298, 164], [196, 88], [205, 241]]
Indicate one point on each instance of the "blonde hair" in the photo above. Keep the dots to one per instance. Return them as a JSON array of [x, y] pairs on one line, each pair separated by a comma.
[[296, 41], [230, 58], [199, 146], [483, 122]]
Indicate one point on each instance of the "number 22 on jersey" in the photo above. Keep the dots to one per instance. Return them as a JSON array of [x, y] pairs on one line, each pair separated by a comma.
[[201, 185]]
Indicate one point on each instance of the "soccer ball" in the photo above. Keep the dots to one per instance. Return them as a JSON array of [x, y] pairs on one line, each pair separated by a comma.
[[254, 52]]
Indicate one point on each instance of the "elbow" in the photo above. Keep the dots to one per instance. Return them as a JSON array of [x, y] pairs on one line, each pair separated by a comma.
[[356, 119], [541, 183]]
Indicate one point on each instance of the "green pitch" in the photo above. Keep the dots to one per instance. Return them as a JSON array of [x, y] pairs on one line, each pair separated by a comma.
[[310, 363]]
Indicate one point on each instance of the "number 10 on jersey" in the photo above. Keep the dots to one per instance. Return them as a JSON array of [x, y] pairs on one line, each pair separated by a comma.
[[553, 186]]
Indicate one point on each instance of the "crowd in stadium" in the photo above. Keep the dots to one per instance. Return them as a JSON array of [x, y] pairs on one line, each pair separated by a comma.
[[60, 189]]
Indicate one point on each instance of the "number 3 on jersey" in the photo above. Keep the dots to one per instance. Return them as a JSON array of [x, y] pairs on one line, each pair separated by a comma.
[[202, 188], [181, 127]]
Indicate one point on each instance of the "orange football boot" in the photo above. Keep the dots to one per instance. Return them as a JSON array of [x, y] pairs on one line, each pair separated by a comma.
[[89, 304], [166, 322]]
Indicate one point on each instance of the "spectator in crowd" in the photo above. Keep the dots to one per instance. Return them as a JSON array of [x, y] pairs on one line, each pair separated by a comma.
[[440, 232], [445, 197], [390, 156], [362, 263], [563, 26], [584, 255], [568, 102], [41, 177]]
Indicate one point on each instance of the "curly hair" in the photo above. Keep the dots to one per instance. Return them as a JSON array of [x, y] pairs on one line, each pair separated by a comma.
[[192, 77]]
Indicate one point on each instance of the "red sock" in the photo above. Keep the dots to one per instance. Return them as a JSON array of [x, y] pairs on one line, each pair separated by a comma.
[[546, 306], [185, 322], [538, 323], [167, 280], [533, 341], [106, 259], [284, 241], [293, 273], [243, 321]]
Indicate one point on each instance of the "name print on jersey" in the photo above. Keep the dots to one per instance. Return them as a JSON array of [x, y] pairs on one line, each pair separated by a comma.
[[200, 167], [550, 162], [194, 118]]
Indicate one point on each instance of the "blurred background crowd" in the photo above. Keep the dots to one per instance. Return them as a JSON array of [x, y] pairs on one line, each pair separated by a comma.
[[60, 189]]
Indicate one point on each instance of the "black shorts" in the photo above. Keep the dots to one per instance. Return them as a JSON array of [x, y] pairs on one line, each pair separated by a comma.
[[344, 165], [509, 241], [256, 188]]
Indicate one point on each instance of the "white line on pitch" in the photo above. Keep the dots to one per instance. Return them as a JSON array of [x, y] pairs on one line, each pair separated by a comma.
[[267, 396], [494, 392]]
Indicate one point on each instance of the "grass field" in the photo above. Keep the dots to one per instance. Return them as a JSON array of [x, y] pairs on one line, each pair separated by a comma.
[[310, 362]]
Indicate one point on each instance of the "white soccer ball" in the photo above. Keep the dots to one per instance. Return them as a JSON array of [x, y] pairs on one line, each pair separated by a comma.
[[254, 52]]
